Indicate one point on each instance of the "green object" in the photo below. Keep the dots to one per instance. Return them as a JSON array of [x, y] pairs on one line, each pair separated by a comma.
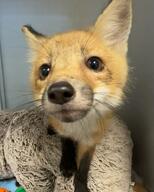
[[20, 189]]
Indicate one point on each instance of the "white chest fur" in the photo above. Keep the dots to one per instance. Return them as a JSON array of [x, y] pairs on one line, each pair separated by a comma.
[[85, 130]]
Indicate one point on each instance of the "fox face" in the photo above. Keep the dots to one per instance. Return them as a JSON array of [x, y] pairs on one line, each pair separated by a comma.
[[79, 73]]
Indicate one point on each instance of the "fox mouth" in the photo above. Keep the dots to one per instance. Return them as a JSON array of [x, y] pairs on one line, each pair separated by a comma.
[[66, 115], [68, 101]]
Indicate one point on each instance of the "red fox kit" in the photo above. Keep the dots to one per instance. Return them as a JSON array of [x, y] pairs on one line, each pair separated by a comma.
[[79, 78]]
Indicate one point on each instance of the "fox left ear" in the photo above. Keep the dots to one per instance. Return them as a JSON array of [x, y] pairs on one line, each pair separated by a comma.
[[114, 24], [33, 37]]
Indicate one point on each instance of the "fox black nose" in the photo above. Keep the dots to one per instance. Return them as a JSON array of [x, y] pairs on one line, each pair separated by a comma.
[[61, 92]]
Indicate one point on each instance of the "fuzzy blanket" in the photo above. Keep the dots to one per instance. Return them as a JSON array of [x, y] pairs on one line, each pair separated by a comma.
[[33, 156]]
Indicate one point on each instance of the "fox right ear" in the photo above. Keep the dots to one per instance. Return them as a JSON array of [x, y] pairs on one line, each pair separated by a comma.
[[34, 38]]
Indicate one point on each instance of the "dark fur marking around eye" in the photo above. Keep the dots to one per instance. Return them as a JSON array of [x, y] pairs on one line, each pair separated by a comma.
[[109, 75], [83, 49], [33, 31]]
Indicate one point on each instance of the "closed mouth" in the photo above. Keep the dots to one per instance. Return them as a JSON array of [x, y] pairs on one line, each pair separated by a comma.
[[66, 111], [69, 115]]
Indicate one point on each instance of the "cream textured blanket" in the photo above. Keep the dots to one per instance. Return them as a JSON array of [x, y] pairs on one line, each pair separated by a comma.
[[29, 153]]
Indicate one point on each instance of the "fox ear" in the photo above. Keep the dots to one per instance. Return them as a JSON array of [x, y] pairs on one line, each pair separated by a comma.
[[114, 24], [34, 38]]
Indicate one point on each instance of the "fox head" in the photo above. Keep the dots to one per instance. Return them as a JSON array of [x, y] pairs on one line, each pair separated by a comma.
[[78, 72]]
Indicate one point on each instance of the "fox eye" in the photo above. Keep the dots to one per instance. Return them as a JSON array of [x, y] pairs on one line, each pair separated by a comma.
[[44, 71], [95, 63]]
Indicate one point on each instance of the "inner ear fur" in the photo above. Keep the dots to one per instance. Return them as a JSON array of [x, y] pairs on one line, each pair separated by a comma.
[[114, 25], [33, 37]]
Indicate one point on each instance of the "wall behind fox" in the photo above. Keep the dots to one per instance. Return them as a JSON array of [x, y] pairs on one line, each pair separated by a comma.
[[51, 16], [139, 108]]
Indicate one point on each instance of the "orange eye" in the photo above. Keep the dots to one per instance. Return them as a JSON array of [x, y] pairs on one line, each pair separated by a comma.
[[44, 71], [95, 63]]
